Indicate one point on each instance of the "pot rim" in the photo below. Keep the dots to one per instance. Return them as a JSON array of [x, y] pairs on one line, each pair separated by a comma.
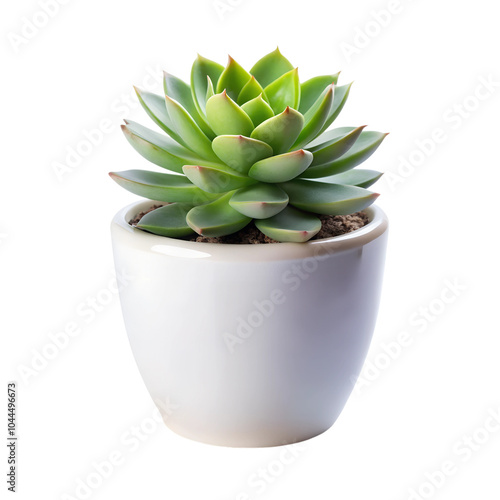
[[172, 247]]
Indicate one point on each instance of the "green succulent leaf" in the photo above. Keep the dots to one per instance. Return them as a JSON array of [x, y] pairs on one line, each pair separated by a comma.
[[239, 152], [233, 79], [363, 148], [280, 131], [169, 220], [191, 133], [311, 89], [315, 118], [290, 225], [251, 90], [327, 199], [356, 177], [285, 91], [202, 70], [215, 179], [217, 218], [157, 148], [154, 105], [161, 187], [337, 147], [328, 137], [259, 201], [258, 110], [340, 97], [181, 92], [226, 117], [210, 90], [281, 168], [271, 67]]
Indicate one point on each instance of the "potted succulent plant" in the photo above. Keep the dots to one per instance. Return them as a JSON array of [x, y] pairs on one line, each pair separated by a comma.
[[256, 344]]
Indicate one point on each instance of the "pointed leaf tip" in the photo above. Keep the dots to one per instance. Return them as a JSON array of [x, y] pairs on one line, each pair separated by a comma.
[[226, 117], [280, 131], [281, 168]]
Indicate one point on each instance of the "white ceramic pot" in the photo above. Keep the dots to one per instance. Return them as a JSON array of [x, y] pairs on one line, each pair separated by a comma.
[[253, 345]]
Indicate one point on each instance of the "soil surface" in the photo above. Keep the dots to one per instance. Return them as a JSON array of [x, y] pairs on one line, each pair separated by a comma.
[[332, 225]]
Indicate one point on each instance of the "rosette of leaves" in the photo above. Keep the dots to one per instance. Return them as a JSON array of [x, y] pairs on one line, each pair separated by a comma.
[[243, 146]]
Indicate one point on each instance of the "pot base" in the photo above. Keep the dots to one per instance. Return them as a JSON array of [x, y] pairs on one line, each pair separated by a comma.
[[258, 438]]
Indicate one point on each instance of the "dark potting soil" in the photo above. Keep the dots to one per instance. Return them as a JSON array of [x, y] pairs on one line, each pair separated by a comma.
[[331, 225]]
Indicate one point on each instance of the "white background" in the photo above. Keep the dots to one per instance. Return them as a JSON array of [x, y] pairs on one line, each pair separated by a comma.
[[410, 414]]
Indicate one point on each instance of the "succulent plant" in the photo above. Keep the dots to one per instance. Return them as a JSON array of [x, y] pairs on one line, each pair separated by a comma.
[[246, 146]]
